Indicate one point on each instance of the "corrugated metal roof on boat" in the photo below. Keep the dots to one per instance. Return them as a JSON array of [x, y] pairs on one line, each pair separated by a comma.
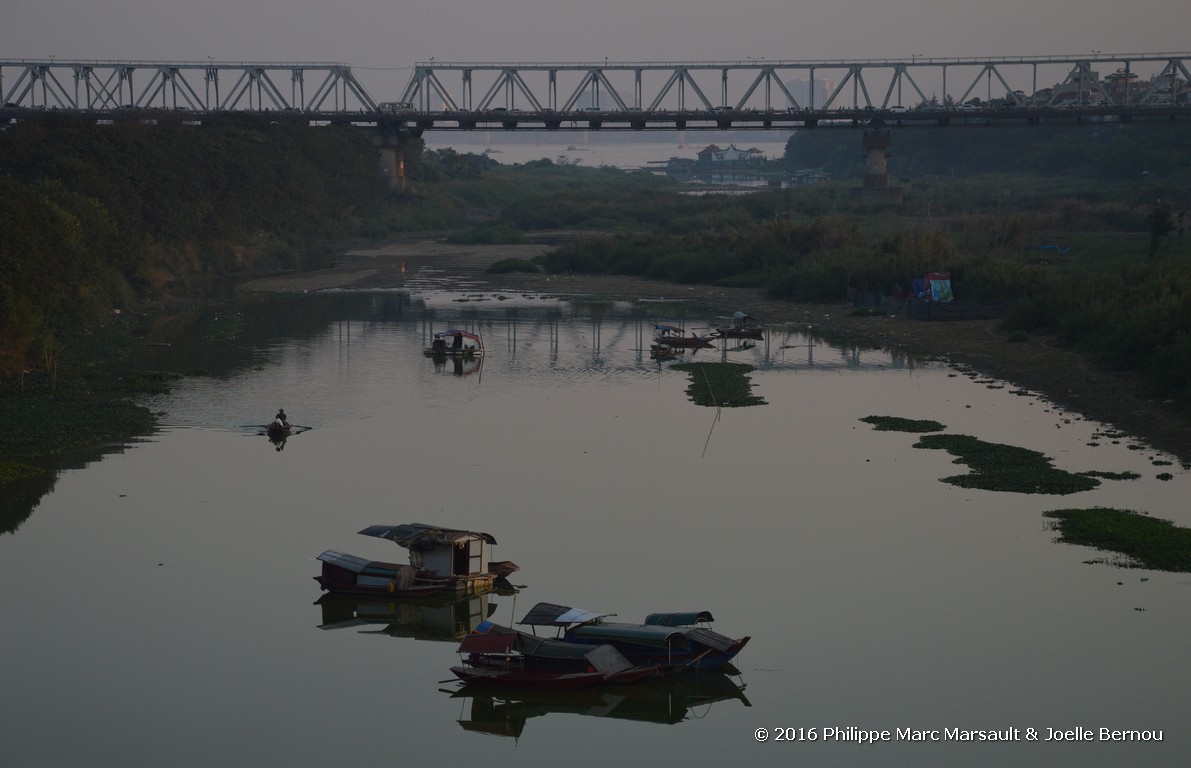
[[360, 565], [644, 634], [711, 639], [423, 536], [503, 640], [608, 660], [552, 615], [344, 560], [678, 619]]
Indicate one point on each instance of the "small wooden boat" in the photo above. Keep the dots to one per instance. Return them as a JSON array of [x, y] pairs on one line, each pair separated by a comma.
[[738, 326], [455, 343], [440, 560], [669, 336], [278, 432]]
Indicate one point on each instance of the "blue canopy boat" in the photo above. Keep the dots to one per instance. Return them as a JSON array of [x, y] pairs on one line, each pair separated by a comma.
[[662, 640]]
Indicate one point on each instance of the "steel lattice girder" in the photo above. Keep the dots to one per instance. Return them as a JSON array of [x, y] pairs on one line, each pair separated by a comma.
[[107, 85]]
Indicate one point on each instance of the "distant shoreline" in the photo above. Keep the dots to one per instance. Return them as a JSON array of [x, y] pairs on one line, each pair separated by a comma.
[[1037, 364]]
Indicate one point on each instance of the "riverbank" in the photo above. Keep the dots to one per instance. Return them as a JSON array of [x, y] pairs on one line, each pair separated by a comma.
[[1037, 363]]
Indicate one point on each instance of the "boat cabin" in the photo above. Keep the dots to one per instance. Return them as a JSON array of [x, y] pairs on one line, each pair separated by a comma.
[[455, 342], [440, 559]]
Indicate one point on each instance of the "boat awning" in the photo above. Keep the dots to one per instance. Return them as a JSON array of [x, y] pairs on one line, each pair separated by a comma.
[[457, 332], [684, 619], [344, 560], [669, 329], [711, 639], [494, 642], [607, 660], [551, 615], [644, 634], [359, 565], [421, 536]]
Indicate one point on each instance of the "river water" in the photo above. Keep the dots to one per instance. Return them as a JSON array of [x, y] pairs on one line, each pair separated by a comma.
[[159, 607]]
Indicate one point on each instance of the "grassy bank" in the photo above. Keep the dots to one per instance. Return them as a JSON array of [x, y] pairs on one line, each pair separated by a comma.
[[1098, 266]]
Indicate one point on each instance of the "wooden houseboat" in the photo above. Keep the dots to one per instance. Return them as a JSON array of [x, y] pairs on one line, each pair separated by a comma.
[[441, 559]]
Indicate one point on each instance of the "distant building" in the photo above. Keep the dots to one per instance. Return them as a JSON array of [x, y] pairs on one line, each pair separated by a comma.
[[731, 154], [806, 92]]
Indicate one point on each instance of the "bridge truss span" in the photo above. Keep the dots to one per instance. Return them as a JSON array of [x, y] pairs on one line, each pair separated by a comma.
[[202, 86], [786, 85], [730, 95]]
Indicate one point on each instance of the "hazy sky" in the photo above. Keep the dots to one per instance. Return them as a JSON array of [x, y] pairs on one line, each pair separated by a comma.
[[383, 38]]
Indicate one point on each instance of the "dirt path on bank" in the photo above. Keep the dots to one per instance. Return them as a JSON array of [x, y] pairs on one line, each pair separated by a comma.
[[1064, 377]]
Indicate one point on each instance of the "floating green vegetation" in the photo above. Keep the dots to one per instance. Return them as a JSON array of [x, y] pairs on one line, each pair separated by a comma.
[[720, 384], [998, 467], [1147, 542], [1112, 475], [225, 326], [1164, 476], [898, 424], [10, 471], [1161, 462], [39, 424], [135, 382]]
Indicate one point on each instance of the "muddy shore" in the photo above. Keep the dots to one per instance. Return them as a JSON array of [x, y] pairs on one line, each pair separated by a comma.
[[1064, 377]]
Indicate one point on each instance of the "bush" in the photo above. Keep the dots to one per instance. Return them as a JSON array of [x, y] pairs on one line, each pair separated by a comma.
[[504, 266]]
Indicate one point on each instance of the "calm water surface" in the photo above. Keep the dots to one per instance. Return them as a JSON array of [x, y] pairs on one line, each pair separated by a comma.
[[159, 607]]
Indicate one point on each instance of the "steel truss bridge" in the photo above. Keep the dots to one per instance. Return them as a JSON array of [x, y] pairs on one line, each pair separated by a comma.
[[749, 94]]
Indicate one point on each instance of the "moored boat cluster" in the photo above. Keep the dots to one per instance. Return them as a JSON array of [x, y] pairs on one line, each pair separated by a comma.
[[587, 648]]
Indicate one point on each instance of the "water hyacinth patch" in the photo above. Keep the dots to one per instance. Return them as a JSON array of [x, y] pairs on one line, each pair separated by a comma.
[[1144, 542], [999, 467], [898, 424], [720, 384]]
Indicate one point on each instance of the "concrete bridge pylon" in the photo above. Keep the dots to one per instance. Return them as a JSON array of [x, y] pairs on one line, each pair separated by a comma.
[[391, 145]]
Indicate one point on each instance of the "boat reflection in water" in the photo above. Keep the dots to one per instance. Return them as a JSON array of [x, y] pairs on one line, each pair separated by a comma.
[[500, 712], [457, 365], [447, 618]]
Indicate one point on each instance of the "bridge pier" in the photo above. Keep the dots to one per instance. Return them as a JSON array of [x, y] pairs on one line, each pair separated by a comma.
[[876, 158], [391, 145], [877, 141]]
